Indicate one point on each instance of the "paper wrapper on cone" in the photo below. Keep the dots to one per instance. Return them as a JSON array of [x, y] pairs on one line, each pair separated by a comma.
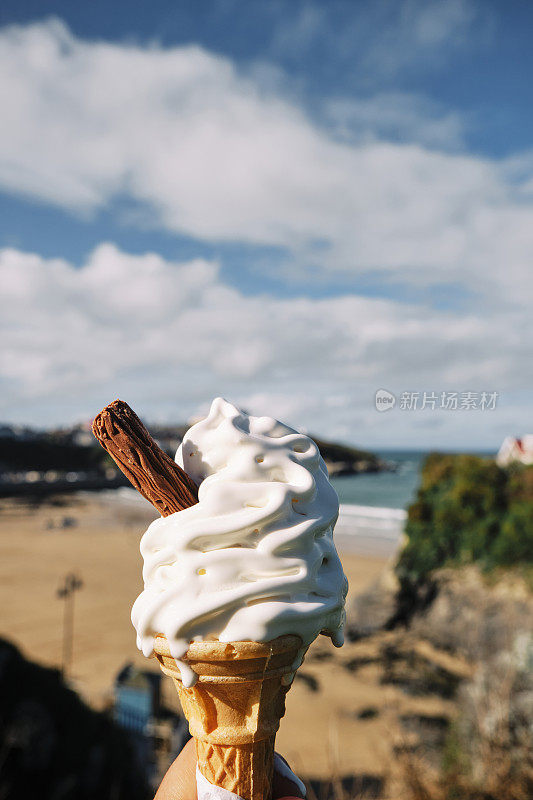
[[235, 707]]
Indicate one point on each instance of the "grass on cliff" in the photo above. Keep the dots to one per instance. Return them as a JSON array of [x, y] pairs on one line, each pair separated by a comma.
[[468, 510]]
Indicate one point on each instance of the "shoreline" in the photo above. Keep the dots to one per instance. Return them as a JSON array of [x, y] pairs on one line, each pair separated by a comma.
[[364, 530]]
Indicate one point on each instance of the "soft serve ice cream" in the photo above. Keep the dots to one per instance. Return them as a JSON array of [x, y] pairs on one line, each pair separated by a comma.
[[255, 558]]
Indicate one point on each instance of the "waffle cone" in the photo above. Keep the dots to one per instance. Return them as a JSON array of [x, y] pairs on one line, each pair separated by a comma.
[[235, 707]]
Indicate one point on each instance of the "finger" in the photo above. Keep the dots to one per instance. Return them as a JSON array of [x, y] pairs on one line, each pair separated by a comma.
[[179, 782]]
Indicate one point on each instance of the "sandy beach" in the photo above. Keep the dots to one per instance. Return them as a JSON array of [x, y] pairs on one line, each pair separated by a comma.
[[337, 720]]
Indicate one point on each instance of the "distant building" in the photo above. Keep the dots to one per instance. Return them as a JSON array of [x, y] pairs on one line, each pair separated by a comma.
[[514, 449], [82, 438], [134, 707], [157, 733], [136, 698]]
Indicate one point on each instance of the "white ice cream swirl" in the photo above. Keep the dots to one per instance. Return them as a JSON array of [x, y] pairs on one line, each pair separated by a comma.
[[255, 558]]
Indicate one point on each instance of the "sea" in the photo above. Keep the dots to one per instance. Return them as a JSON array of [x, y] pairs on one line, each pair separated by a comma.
[[384, 489], [373, 506]]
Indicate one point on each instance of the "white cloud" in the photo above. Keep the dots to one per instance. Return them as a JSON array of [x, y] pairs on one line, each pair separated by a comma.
[[378, 40], [209, 153], [169, 336], [213, 156], [396, 116], [418, 30]]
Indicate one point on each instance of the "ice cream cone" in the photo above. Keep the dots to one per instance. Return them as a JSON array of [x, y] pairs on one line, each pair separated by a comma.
[[235, 707]]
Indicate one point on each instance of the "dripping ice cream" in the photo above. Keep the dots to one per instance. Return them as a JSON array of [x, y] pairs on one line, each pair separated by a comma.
[[254, 559]]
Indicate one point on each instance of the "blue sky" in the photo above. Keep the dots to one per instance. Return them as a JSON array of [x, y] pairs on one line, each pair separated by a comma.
[[293, 204]]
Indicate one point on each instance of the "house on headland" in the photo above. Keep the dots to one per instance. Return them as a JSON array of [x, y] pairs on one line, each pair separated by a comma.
[[514, 449]]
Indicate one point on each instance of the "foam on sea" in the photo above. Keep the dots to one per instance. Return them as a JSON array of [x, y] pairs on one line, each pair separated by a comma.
[[348, 509], [369, 530]]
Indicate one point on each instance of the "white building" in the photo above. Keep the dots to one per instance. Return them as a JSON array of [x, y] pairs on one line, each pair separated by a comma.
[[514, 449]]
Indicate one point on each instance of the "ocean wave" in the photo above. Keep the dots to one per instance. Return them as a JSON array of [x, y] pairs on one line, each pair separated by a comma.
[[352, 510]]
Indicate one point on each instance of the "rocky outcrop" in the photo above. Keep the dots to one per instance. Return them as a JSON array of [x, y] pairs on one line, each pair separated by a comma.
[[472, 647]]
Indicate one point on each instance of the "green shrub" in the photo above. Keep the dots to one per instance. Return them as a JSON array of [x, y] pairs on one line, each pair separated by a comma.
[[514, 543], [468, 509]]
